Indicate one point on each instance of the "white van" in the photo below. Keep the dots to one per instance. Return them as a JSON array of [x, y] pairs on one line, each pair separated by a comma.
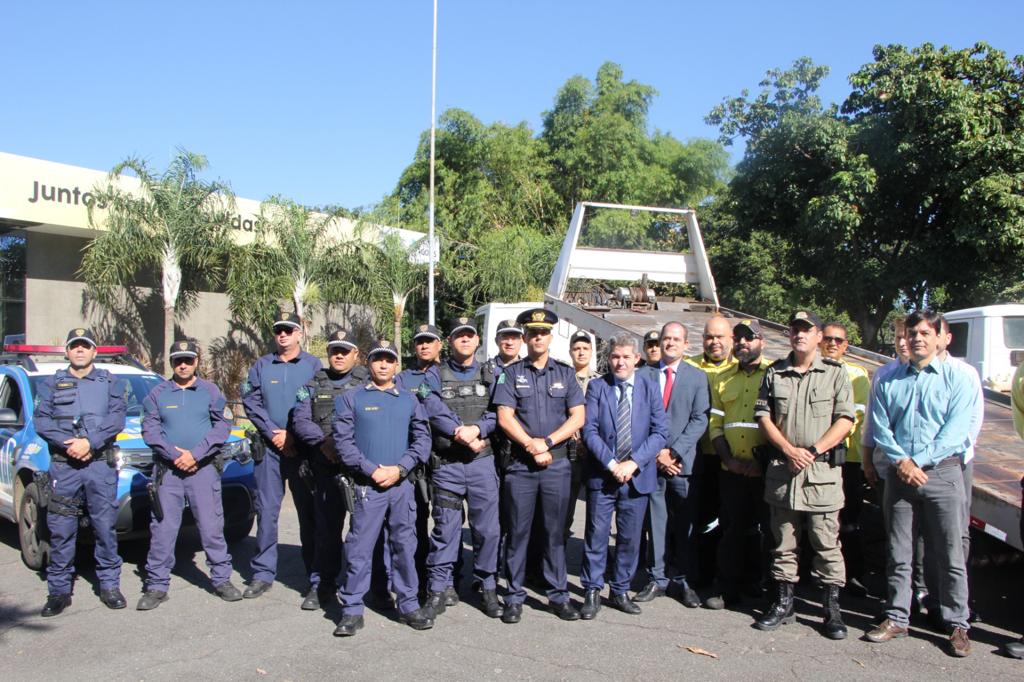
[[991, 339]]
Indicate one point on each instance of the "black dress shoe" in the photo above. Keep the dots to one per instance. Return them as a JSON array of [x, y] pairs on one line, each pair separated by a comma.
[[113, 599], [55, 604], [650, 592], [492, 607], [591, 604], [513, 613], [684, 594], [151, 599], [420, 619], [228, 592], [257, 588], [451, 596], [717, 602], [311, 602], [623, 603], [348, 625], [435, 602], [564, 610]]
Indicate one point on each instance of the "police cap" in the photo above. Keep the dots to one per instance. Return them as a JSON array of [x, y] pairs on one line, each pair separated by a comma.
[[580, 336], [805, 318], [460, 324], [426, 330], [183, 349], [340, 338], [653, 336], [537, 318], [286, 319], [509, 326], [383, 347], [81, 334], [744, 327]]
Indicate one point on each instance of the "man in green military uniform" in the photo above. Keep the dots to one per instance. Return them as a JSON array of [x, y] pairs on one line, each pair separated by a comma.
[[805, 409]]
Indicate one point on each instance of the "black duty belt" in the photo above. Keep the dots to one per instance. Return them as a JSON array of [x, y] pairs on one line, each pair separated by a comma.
[[453, 457]]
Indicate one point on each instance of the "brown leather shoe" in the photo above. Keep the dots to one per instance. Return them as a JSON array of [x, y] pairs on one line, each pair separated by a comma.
[[959, 644], [886, 631]]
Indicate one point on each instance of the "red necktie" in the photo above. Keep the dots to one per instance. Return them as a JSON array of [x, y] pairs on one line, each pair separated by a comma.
[[668, 386]]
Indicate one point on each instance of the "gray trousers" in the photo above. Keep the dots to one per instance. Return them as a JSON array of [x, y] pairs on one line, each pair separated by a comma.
[[924, 572], [936, 510]]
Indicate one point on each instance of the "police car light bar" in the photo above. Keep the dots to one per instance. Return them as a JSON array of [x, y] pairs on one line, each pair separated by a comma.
[[60, 350]]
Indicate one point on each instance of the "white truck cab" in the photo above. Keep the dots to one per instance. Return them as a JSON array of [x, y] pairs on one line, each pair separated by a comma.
[[990, 339]]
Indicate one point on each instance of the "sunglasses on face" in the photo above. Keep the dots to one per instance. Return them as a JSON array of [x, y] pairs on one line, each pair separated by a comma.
[[184, 361], [744, 337], [287, 331], [340, 350], [838, 340]]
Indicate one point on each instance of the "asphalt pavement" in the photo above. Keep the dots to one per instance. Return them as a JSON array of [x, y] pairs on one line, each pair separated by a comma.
[[194, 635]]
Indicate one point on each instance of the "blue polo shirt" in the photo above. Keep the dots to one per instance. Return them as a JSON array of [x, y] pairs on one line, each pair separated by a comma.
[[270, 391], [191, 418], [380, 427], [541, 397]]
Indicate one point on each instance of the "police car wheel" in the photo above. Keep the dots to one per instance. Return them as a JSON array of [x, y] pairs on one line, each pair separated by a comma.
[[238, 531], [33, 534]]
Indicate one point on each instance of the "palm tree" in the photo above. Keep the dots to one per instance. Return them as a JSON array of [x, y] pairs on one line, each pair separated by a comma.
[[393, 274], [175, 226], [297, 256]]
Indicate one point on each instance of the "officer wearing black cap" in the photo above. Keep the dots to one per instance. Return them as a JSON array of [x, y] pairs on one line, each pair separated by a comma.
[[79, 412], [805, 410], [652, 348], [313, 423], [381, 434], [463, 471], [184, 424], [540, 406], [269, 394]]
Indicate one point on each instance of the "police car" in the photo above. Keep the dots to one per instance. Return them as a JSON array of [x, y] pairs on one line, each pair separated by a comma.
[[23, 453]]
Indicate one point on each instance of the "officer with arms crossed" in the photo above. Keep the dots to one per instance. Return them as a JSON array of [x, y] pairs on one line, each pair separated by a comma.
[[805, 409], [381, 434], [463, 470], [185, 426], [540, 406], [79, 411], [313, 423], [625, 429], [269, 394]]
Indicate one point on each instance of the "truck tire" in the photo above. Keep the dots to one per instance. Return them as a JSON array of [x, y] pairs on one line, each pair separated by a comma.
[[238, 531], [33, 535]]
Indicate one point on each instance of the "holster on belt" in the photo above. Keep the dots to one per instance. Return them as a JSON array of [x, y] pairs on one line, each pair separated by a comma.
[[153, 487], [346, 486], [44, 485], [307, 475], [259, 448]]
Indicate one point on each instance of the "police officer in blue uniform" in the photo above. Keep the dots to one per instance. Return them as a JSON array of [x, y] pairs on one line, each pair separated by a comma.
[[313, 423], [185, 426], [463, 470], [79, 412], [269, 395], [381, 434], [540, 406]]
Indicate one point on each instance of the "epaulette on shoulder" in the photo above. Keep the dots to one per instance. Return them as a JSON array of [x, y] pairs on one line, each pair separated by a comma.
[[830, 361]]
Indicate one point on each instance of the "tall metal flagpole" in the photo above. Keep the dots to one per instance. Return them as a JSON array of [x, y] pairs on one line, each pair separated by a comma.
[[433, 118]]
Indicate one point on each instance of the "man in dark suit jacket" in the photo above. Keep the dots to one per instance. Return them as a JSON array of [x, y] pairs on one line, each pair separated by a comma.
[[624, 431], [673, 507]]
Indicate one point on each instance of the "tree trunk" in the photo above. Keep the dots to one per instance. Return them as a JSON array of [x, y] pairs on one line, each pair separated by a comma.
[[171, 286], [168, 340], [399, 300]]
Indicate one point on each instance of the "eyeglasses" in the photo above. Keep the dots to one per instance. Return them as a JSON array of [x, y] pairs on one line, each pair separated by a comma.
[[184, 360], [340, 350], [744, 337], [287, 331], [838, 340]]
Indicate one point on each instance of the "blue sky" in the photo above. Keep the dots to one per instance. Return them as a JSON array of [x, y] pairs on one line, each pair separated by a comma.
[[323, 102]]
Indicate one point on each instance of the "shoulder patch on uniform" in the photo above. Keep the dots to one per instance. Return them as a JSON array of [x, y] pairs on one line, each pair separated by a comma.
[[501, 378], [302, 394], [245, 388], [423, 390]]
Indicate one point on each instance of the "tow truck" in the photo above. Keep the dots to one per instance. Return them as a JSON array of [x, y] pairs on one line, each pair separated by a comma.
[[23, 453], [609, 290]]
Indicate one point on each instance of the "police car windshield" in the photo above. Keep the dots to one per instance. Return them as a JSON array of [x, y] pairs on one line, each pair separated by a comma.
[[137, 387]]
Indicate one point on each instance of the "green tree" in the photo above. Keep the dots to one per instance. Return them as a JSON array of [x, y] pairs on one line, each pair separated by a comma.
[[297, 256], [391, 273], [175, 226]]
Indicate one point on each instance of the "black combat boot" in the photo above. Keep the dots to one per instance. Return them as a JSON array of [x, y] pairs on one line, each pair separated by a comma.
[[781, 610], [834, 626]]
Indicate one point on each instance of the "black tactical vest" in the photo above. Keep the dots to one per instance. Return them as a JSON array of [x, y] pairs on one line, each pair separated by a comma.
[[323, 391], [468, 399]]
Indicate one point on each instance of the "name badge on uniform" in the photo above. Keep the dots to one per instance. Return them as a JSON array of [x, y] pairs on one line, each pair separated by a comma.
[[521, 380], [274, 381], [64, 385], [371, 408]]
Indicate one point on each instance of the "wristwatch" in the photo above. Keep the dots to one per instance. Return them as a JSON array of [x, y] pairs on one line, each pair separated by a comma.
[[550, 443], [402, 471], [813, 450]]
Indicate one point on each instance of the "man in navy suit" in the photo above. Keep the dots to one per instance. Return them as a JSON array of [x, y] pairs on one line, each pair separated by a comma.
[[624, 431], [673, 504]]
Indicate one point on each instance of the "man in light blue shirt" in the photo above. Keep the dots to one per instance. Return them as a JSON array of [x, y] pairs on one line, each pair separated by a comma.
[[921, 414]]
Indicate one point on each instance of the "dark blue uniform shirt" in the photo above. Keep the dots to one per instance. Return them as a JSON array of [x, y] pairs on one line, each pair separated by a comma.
[[374, 427], [308, 431], [189, 418], [443, 419], [541, 397], [97, 398], [420, 381], [269, 393]]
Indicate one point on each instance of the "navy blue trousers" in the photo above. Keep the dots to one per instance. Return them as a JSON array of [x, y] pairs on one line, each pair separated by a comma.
[[477, 483], [394, 509], [527, 488], [96, 484], [271, 475], [329, 515], [203, 492], [629, 508]]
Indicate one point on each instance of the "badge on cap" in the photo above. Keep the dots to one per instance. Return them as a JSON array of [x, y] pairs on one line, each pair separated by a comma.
[[79, 332], [284, 317], [339, 335], [538, 316], [183, 345], [463, 320], [424, 328], [801, 315], [383, 342]]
